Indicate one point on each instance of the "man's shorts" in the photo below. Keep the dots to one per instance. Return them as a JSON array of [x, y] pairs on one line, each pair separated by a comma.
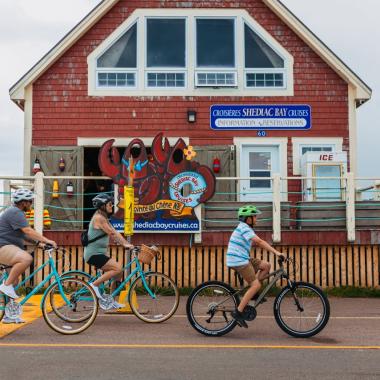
[[98, 261], [11, 254], [248, 271]]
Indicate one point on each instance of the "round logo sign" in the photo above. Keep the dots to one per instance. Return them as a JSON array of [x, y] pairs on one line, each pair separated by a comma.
[[197, 186]]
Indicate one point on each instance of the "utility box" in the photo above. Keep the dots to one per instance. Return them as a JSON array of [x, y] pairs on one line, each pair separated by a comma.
[[327, 170]]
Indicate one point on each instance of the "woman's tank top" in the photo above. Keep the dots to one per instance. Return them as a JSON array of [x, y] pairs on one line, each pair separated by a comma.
[[98, 247]]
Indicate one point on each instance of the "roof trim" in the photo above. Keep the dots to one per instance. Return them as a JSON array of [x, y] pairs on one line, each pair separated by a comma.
[[17, 91], [363, 91]]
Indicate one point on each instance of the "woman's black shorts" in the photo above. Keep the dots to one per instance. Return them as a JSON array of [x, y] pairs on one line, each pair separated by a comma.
[[98, 261]]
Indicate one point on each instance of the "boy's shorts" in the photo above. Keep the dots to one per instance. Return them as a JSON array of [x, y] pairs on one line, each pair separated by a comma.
[[248, 271]]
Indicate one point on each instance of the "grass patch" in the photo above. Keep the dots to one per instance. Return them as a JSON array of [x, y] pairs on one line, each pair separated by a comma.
[[353, 292]]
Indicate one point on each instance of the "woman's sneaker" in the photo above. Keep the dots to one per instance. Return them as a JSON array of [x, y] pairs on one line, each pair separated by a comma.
[[117, 305], [239, 318], [12, 320], [96, 290], [8, 290]]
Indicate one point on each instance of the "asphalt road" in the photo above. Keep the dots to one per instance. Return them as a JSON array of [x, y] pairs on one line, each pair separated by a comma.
[[122, 347]]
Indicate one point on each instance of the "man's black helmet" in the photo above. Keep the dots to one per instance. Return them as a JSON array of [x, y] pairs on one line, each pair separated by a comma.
[[101, 199]]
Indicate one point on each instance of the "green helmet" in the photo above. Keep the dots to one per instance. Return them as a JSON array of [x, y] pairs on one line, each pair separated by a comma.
[[249, 210]]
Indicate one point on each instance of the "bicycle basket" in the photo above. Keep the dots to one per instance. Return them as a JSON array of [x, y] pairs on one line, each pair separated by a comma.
[[147, 254]]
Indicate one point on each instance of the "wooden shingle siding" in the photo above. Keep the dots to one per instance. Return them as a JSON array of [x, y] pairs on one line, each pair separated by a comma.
[[325, 266]]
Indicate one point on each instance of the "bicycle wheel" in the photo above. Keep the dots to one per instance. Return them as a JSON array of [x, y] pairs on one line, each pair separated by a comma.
[[75, 316], [209, 308], [302, 310], [162, 306], [3, 302]]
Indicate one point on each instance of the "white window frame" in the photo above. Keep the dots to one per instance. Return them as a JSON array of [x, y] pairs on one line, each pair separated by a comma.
[[140, 16], [299, 142]]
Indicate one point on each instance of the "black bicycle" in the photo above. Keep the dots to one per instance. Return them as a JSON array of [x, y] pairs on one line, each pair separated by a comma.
[[301, 309]]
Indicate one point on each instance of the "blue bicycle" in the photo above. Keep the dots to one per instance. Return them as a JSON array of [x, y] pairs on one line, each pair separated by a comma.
[[153, 296], [69, 305]]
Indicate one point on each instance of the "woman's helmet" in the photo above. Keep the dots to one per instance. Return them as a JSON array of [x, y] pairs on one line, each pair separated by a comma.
[[22, 195], [101, 200], [246, 211]]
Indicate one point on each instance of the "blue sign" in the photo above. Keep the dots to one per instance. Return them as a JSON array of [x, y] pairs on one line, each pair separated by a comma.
[[260, 117]]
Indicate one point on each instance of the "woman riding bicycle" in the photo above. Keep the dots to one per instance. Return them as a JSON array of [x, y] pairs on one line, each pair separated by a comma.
[[238, 257], [95, 253]]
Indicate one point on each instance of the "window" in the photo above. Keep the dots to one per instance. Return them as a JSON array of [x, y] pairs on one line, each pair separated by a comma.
[[190, 52], [316, 148], [116, 68], [165, 43], [166, 53], [264, 67]]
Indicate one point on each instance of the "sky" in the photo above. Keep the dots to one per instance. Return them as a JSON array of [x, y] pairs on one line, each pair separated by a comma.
[[30, 28]]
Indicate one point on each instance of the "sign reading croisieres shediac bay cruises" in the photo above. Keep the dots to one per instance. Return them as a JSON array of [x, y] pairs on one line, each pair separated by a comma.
[[168, 184], [260, 117]]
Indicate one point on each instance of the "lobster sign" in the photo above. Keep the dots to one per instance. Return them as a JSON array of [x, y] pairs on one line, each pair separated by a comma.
[[168, 184]]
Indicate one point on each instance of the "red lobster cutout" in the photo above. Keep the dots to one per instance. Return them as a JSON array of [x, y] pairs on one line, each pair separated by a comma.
[[152, 177]]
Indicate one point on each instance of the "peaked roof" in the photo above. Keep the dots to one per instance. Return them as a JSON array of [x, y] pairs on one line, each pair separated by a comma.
[[363, 91]]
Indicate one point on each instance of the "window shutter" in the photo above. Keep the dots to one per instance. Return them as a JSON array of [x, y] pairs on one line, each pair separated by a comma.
[[62, 208], [226, 155]]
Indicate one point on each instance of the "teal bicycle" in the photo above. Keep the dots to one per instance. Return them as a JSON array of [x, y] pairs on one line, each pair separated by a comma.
[[153, 296], [69, 305]]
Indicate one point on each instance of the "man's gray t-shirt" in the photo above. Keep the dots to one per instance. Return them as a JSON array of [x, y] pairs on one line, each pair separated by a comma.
[[11, 222]]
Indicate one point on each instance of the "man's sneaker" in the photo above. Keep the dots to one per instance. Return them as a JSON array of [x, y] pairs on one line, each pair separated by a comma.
[[8, 290], [96, 290], [12, 320], [239, 318], [117, 305]]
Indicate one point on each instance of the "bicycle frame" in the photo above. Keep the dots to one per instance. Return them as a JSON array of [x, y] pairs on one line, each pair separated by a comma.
[[53, 273], [138, 270], [278, 274]]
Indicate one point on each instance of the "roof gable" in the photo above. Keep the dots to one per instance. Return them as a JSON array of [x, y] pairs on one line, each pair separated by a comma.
[[363, 91]]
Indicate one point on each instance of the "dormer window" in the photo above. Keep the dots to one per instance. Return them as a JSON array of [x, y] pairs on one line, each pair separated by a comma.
[[194, 52]]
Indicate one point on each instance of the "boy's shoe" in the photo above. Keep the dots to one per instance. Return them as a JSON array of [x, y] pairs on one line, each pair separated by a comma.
[[8, 290], [239, 318]]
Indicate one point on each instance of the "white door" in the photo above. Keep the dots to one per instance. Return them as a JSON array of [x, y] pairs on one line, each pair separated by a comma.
[[258, 161]]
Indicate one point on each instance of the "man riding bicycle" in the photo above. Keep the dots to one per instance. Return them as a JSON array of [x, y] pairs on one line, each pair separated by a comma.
[[14, 230], [238, 258]]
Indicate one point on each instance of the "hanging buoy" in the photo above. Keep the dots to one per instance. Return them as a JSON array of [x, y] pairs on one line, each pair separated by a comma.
[[70, 189], [47, 220], [55, 193], [36, 166], [62, 164], [30, 217], [216, 165]]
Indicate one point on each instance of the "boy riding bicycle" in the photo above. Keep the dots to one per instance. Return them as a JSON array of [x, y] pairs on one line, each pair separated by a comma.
[[252, 270]]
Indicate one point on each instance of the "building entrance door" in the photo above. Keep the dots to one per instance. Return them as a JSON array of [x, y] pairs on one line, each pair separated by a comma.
[[258, 161]]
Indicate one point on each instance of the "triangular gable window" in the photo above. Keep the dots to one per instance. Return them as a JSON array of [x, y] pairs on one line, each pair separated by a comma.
[[264, 67], [118, 65]]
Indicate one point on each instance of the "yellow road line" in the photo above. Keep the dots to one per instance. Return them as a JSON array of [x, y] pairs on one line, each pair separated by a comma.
[[186, 346]]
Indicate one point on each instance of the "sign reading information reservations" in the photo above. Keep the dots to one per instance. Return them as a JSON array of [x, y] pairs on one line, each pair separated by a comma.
[[260, 117]]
